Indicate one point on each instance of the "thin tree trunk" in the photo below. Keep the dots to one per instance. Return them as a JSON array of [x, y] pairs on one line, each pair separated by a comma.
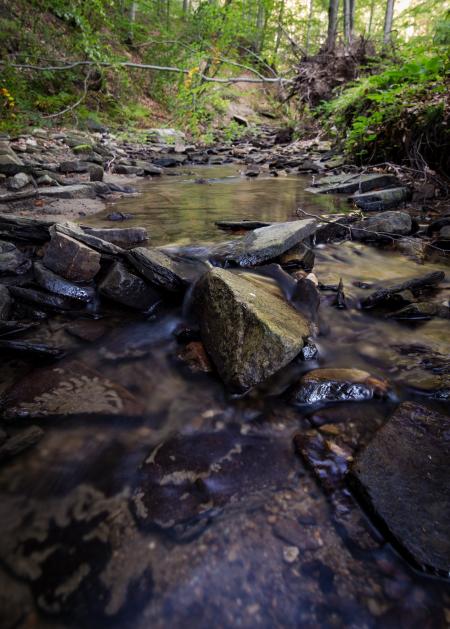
[[308, 29], [333, 10], [347, 32], [185, 6], [260, 26], [280, 26], [132, 18], [388, 19], [372, 12]]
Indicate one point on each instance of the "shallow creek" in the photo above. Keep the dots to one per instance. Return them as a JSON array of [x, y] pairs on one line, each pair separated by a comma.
[[245, 530]]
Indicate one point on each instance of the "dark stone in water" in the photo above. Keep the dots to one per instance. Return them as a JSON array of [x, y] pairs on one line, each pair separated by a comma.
[[19, 442], [239, 225], [421, 311], [389, 295], [119, 216], [338, 385], [348, 184], [99, 244], [192, 477], [380, 200], [402, 476], [128, 289], [382, 226], [306, 298], [60, 286]]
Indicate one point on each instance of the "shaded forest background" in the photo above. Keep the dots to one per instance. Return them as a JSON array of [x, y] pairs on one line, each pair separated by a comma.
[[373, 75]]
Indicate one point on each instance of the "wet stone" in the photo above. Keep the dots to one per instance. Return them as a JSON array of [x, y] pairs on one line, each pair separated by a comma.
[[338, 385], [249, 332], [72, 388], [44, 299], [348, 184], [270, 242], [402, 477], [128, 289], [60, 286], [395, 294], [71, 259]]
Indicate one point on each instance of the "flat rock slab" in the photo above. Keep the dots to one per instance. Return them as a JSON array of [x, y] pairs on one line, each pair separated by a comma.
[[76, 191], [117, 236], [380, 200], [403, 475], [91, 240], [270, 242], [70, 389], [60, 286], [348, 184], [22, 228], [249, 332]]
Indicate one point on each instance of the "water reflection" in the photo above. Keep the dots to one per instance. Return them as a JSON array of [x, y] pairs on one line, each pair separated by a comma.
[[175, 209]]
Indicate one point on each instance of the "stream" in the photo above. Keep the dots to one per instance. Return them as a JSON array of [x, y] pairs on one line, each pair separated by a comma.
[[250, 527]]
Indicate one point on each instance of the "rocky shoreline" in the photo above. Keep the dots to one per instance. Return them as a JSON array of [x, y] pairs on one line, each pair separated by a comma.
[[253, 310]]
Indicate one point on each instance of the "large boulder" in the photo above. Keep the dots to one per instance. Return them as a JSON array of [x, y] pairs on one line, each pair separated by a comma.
[[270, 242], [249, 331], [71, 259], [403, 475], [128, 289]]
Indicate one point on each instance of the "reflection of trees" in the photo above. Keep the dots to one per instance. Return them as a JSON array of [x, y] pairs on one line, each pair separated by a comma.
[[177, 211]]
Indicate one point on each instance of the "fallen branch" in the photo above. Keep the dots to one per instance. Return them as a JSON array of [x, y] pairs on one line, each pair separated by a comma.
[[143, 66], [78, 102]]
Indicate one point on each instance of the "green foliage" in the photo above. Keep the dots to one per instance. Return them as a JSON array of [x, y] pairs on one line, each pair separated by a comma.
[[384, 116]]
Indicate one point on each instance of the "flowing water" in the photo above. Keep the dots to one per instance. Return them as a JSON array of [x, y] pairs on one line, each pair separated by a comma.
[[198, 511]]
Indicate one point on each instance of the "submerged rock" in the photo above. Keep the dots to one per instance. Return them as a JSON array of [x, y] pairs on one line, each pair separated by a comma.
[[19, 442], [238, 225], [71, 259], [402, 476], [161, 270], [249, 332], [380, 226], [421, 310], [72, 388], [270, 242], [380, 200], [338, 385], [128, 289]]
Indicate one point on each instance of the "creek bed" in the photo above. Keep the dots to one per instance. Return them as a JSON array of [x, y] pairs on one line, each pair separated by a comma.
[[252, 525]]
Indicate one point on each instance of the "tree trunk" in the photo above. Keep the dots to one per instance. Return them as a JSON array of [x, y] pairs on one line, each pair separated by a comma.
[[349, 18], [185, 6], [333, 10], [132, 18], [372, 11], [280, 26], [388, 19], [308, 29]]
